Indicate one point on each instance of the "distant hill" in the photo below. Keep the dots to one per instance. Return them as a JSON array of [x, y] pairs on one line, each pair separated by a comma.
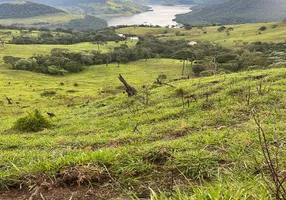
[[235, 12], [87, 23], [25, 9], [96, 7], [31, 14], [170, 2]]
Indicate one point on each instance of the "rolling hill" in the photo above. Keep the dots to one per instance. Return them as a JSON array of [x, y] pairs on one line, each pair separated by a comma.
[[25, 9], [236, 12], [96, 7], [30, 14]]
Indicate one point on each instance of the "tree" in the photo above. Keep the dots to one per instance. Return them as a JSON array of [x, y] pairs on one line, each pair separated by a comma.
[[26, 64], [98, 43], [118, 60], [146, 53], [11, 60], [185, 55]]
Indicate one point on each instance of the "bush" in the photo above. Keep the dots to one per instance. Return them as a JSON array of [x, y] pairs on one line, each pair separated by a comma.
[[25, 64], [207, 73], [48, 93], [54, 70], [162, 77], [73, 67], [33, 122], [225, 58], [198, 69], [262, 28], [278, 65], [222, 28]]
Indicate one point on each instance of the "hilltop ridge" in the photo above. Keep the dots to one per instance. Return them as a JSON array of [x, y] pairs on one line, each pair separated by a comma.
[[96, 7], [235, 12], [25, 9]]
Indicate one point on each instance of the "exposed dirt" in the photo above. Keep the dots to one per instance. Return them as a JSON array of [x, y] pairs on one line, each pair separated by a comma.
[[72, 183], [67, 193]]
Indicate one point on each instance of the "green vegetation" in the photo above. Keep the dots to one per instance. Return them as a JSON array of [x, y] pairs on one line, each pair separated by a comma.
[[182, 136], [236, 12], [29, 14], [41, 21], [242, 34], [215, 133], [25, 9], [102, 8], [87, 23], [33, 122]]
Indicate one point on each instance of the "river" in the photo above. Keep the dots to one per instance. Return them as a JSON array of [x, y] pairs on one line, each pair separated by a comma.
[[161, 15]]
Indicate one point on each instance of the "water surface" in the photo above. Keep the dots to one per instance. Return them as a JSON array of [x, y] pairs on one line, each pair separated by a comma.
[[161, 15]]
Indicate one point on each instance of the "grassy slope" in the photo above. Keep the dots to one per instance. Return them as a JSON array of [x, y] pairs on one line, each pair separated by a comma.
[[30, 50], [245, 32], [236, 12], [215, 138], [52, 19]]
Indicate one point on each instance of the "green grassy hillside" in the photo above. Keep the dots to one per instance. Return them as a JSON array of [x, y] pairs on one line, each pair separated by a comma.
[[96, 7], [207, 148], [26, 9], [29, 14], [180, 137], [241, 32], [42, 20], [35, 49], [236, 12]]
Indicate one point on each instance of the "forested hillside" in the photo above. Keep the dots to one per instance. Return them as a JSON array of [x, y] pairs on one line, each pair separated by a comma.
[[30, 14], [25, 9], [96, 7], [236, 11], [87, 23]]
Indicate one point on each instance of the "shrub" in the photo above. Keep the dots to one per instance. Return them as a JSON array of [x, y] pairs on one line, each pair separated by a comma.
[[162, 77], [262, 28], [222, 28], [278, 65], [54, 70], [25, 64], [198, 69], [225, 58], [73, 67], [207, 73], [48, 93], [33, 122]]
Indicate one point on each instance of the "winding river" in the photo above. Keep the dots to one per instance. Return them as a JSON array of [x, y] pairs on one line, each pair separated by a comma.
[[161, 15]]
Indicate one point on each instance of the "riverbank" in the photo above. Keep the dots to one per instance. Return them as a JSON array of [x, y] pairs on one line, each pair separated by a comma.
[[161, 15]]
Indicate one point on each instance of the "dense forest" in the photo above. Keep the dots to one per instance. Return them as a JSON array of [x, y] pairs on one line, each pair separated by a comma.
[[235, 12], [25, 9]]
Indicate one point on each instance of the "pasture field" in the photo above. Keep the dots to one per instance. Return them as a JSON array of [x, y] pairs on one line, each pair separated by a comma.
[[26, 50], [50, 18], [243, 32], [195, 140]]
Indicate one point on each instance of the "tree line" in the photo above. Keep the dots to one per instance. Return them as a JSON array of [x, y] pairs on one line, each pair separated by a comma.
[[203, 58]]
